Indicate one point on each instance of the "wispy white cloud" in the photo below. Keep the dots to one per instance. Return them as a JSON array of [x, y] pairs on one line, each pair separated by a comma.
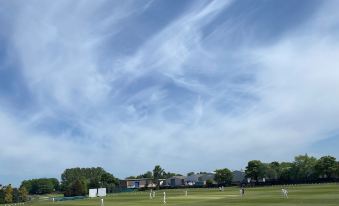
[[182, 98]]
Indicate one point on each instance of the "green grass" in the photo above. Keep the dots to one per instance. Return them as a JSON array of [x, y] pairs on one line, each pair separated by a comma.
[[315, 195]]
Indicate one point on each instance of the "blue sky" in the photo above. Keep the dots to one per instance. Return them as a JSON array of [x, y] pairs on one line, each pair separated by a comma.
[[190, 85]]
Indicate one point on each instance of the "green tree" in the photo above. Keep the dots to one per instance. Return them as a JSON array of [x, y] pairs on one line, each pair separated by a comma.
[[190, 173], [285, 169], [94, 182], [326, 166], [92, 177], [15, 195], [158, 173], [28, 185], [223, 176], [148, 174], [167, 175], [2, 195], [9, 194], [56, 184], [209, 183], [273, 170], [77, 188], [255, 169], [23, 194], [304, 168], [41, 185], [109, 181]]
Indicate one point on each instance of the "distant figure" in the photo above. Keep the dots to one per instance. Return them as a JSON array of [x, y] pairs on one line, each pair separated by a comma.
[[242, 192], [284, 193], [102, 202], [222, 188], [153, 194], [219, 188], [186, 193], [150, 195], [164, 197], [53, 199]]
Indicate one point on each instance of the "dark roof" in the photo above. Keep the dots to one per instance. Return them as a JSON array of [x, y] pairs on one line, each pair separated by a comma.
[[140, 179]]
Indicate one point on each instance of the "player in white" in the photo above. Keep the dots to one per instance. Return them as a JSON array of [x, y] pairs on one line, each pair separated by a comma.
[[165, 198], [242, 192], [284, 193]]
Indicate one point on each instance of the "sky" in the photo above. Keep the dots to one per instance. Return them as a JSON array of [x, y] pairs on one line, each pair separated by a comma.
[[190, 85]]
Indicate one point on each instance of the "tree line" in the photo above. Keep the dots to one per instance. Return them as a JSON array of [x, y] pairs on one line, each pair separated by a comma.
[[304, 169], [8, 194], [77, 181], [74, 182], [41, 186]]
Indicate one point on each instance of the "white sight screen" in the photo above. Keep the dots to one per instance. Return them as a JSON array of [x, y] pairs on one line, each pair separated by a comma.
[[102, 192]]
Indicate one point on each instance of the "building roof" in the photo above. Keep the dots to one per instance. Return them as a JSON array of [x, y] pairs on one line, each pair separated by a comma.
[[177, 177], [138, 179]]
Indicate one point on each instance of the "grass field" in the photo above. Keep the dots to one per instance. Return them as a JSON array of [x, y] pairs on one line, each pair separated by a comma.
[[315, 195]]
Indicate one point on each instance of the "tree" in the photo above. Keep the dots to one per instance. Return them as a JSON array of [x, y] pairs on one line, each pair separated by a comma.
[[255, 169], [273, 170], [56, 184], [285, 169], [326, 166], [304, 168], [2, 195], [77, 188], [92, 177], [94, 182], [167, 175], [209, 183], [223, 176], [41, 185], [190, 173], [9, 194], [109, 181], [202, 173], [148, 174], [28, 185], [23, 194], [158, 173], [15, 195]]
